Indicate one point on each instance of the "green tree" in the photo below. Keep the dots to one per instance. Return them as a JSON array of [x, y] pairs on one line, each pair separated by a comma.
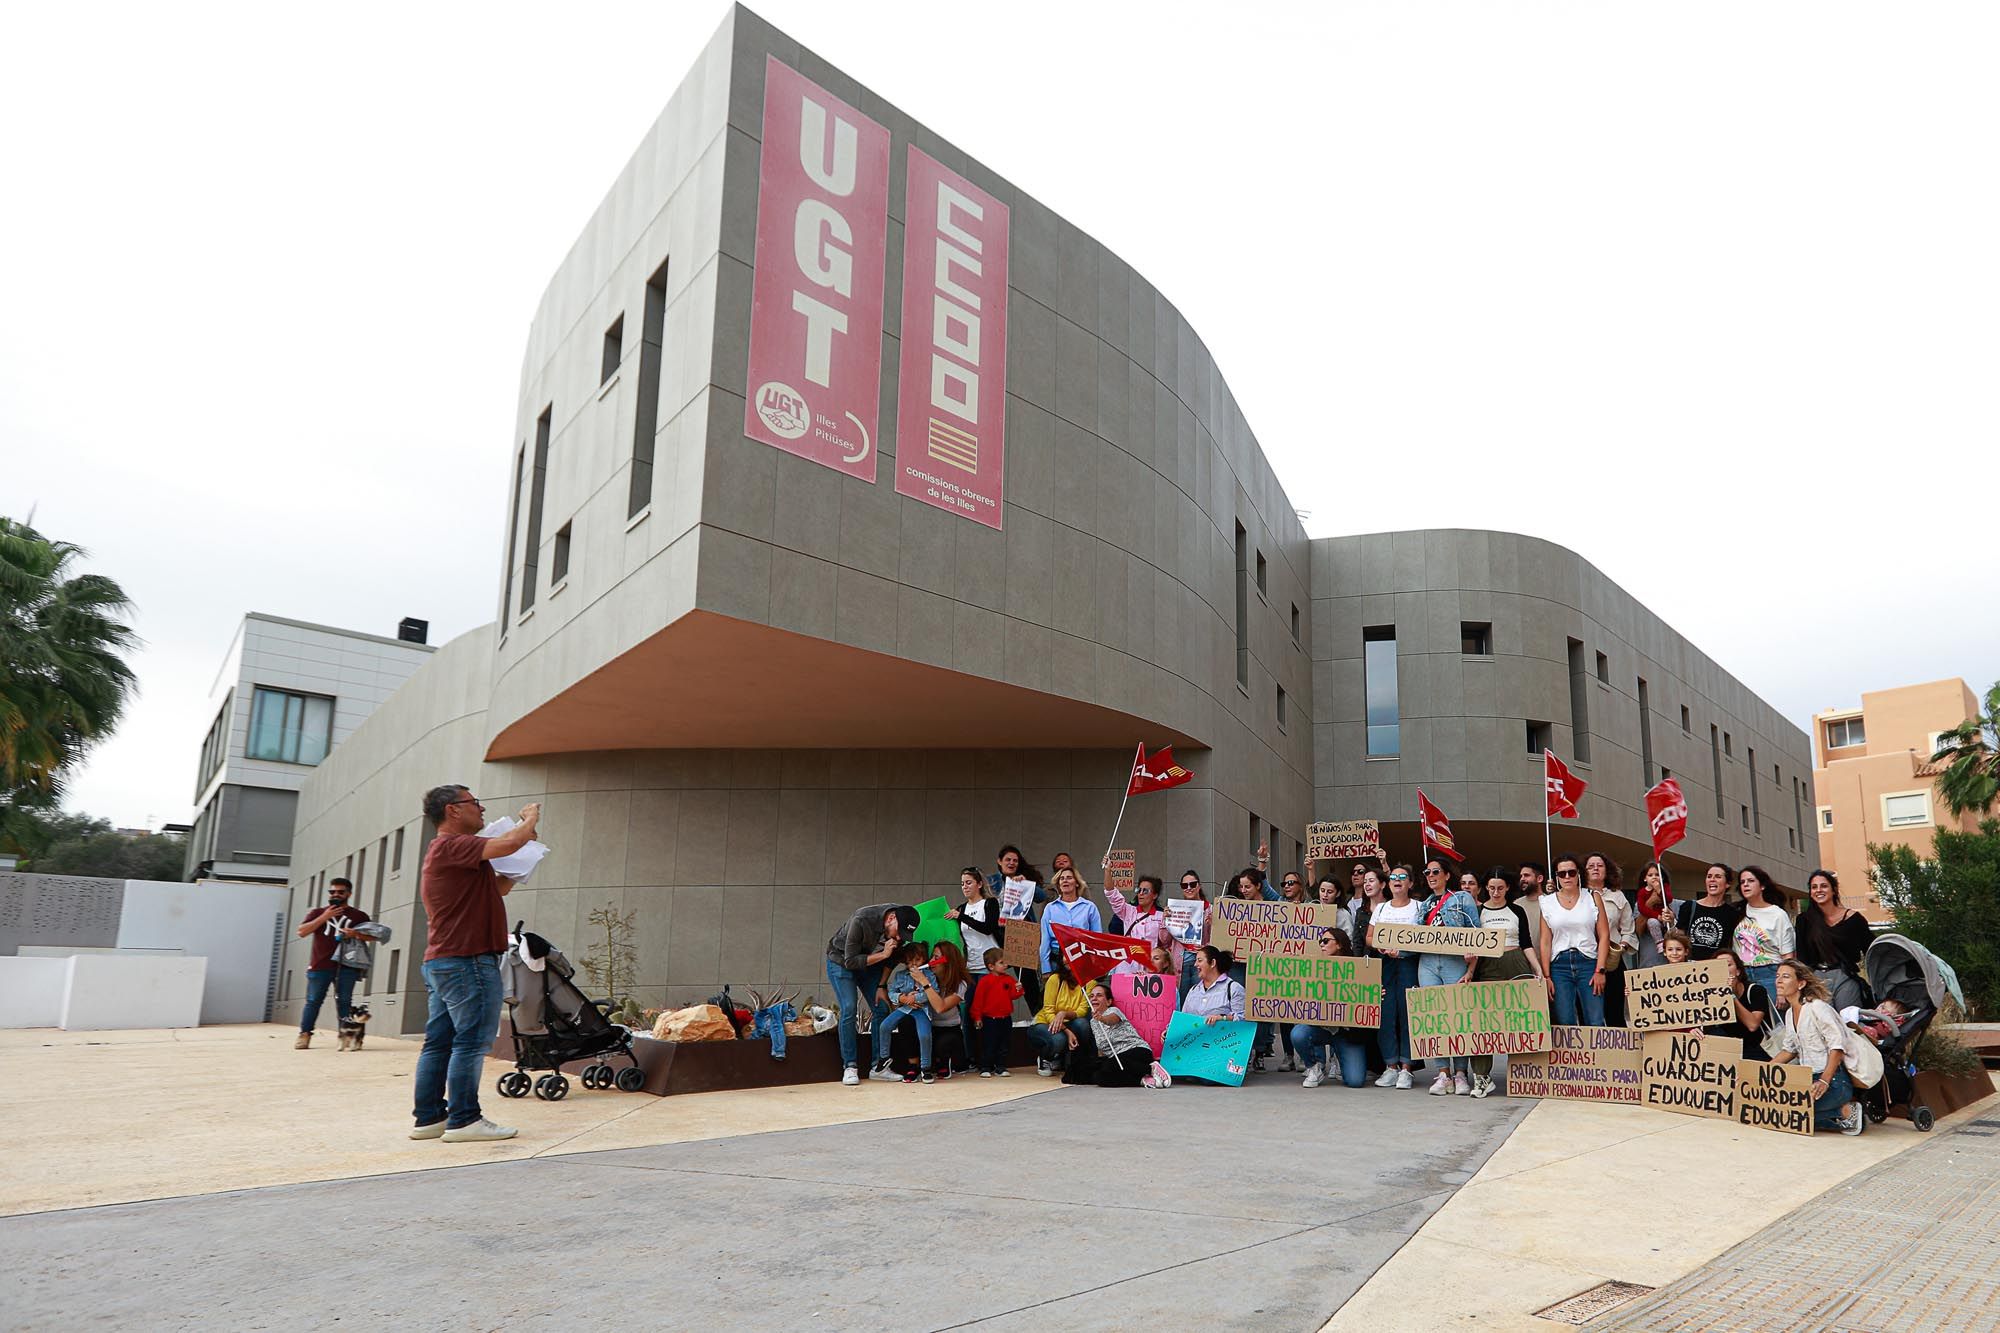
[[86, 846], [63, 677], [1972, 751], [1950, 904]]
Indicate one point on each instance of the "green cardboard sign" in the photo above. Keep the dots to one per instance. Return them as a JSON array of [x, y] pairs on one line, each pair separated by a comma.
[[934, 926]]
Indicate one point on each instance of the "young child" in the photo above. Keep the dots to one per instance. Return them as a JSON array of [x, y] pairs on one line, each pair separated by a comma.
[[911, 977], [1677, 947], [1163, 959], [993, 1011]]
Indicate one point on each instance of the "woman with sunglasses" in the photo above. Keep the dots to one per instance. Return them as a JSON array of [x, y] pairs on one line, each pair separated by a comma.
[[1574, 937], [1184, 952], [1520, 960], [1449, 906], [1140, 917], [1399, 973], [1603, 878]]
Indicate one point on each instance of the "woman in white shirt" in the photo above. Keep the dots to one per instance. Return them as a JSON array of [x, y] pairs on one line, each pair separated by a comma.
[[1574, 937], [1520, 959], [1603, 878], [1810, 1032], [978, 920], [1764, 937], [1399, 973]]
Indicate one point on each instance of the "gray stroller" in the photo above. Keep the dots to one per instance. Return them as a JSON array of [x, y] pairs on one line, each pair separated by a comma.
[[554, 1023]]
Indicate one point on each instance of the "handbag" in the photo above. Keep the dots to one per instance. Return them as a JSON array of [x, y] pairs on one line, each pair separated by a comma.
[[354, 951]]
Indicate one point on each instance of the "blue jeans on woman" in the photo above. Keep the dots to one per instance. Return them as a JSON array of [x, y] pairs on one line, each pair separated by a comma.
[[1312, 1044], [1398, 975], [1571, 970], [849, 984], [341, 978], [1839, 1092], [465, 1016], [1054, 1046], [1267, 1033], [1444, 969], [1765, 976]]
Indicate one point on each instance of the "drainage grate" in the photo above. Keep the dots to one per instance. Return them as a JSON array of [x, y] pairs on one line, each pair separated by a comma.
[[1587, 1305]]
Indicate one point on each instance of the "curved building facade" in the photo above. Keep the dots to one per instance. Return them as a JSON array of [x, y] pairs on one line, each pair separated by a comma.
[[796, 617]]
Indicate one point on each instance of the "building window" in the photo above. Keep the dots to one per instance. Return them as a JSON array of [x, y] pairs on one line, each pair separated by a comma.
[[1604, 668], [1378, 688], [1541, 736], [1746, 817], [1826, 816], [559, 564], [1255, 840], [1728, 745], [1906, 809], [1645, 732], [1687, 721], [1475, 638], [1715, 763], [1579, 703], [1295, 622], [1756, 808], [396, 858], [531, 562], [1283, 715], [216, 743], [289, 728], [1263, 577], [614, 350], [1798, 805], [1792, 838], [513, 535], [1242, 607], [646, 415], [1844, 732]]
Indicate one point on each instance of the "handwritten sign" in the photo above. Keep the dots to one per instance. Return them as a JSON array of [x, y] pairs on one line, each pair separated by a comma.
[[1121, 872], [1218, 1052], [1147, 1000], [1690, 1073], [1255, 925], [1344, 841], [1325, 992], [1679, 995], [1185, 917], [1478, 1018], [1016, 897], [1589, 1064], [1021, 945], [1410, 937], [1772, 1096]]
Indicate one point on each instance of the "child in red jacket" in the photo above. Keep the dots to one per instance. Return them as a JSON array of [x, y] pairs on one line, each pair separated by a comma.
[[993, 1009]]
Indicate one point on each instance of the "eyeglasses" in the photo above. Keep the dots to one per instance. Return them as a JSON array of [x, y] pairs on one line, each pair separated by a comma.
[[1565, 874], [464, 800], [1397, 879], [1434, 871]]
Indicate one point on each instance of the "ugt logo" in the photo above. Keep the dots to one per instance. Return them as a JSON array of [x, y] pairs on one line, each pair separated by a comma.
[[783, 409]]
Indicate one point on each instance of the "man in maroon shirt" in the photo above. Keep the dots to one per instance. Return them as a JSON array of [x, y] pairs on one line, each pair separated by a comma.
[[468, 933], [325, 927]]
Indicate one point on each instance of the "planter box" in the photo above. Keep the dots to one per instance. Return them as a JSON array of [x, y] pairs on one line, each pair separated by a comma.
[[1945, 1094]]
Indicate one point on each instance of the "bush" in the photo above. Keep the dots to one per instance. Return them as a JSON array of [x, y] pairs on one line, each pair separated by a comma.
[[1941, 1052], [1951, 906]]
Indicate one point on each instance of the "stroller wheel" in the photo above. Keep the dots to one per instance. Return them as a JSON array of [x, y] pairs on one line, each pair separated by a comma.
[[1921, 1117], [631, 1079], [1875, 1114], [552, 1087], [513, 1083], [593, 1076]]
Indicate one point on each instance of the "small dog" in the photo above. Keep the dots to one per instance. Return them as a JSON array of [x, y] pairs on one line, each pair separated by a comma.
[[354, 1027]]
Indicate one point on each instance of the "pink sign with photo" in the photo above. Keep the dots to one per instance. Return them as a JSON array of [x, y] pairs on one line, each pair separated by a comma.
[[1147, 1000], [814, 386]]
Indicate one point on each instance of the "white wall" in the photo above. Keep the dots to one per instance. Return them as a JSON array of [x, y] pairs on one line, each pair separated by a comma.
[[236, 927]]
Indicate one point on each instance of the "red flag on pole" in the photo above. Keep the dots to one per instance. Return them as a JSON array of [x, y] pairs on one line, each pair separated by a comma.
[[1436, 828], [1564, 786], [1090, 954], [1156, 773], [1667, 809]]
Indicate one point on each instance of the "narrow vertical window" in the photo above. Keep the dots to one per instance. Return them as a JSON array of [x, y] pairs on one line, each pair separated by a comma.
[[559, 562], [1646, 731], [1242, 607], [1295, 622], [396, 860], [1378, 688], [513, 533], [1715, 763], [1798, 806], [1263, 576], [531, 561], [646, 419], [1282, 714], [1579, 702], [614, 350], [1756, 806], [1604, 668]]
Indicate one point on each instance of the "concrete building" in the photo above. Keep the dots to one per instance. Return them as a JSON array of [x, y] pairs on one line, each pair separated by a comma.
[[1876, 782], [766, 655], [286, 693]]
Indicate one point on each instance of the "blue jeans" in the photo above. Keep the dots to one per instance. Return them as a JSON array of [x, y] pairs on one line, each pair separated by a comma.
[[1444, 969], [1311, 1044], [342, 980], [1267, 1033], [1839, 1092], [465, 1015], [770, 1022], [1767, 977], [921, 1016], [1576, 1002], [849, 983], [1398, 975], [1054, 1046]]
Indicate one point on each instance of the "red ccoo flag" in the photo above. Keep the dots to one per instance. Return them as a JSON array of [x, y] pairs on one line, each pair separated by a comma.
[[1090, 953], [1155, 774], [1436, 828], [1667, 810], [1564, 786]]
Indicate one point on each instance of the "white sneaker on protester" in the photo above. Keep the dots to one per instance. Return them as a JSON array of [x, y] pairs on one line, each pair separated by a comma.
[[1481, 1085], [1853, 1119], [434, 1130], [1315, 1075], [1402, 1078], [481, 1130], [1388, 1079], [885, 1074], [1461, 1086], [1045, 1068], [1159, 1076], [850, 1077], [1441, 1085]]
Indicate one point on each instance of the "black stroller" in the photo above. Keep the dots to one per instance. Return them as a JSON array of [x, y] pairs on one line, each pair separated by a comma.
[[1902, 970], [555, 1023]]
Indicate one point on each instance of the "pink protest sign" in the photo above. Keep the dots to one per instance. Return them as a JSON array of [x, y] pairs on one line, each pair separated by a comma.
[[1147, 1000], [951, 415], [815, 378]]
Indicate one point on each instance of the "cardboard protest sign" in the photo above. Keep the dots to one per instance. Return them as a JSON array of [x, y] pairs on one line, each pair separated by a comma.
[[1344, 841], [934, 927], [1415, 937], [1218, 1052], [1773, 1096], [1021, 945], [1589, 1064], [1326, 992], [1256, 925], [1690, 1073], [1478, 1018], [1121, 872], [1147, 1000], [1185, 917], [1092, 953], [1679, 995], [1016, 897]]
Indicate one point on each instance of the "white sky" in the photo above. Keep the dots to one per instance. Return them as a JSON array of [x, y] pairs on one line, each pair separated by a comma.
[[1706, 292]]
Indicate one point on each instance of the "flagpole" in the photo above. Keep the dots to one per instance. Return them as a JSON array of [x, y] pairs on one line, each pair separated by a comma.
[[1548, 845], [1116, 823]]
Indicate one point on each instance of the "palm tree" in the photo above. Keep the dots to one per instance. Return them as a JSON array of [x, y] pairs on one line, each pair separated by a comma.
[[63, 677], [1972, 752]]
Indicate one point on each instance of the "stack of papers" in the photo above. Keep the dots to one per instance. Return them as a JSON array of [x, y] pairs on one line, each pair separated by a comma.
[[518, 865]]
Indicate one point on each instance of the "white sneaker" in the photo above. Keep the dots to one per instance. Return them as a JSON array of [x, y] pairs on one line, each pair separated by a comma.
[[986, 1073], [850, 1077], [1006, 1073], [1481, 1086], [1402, 1078], [1161, 1078], [1045, 1068], [1461, 1086], [434, 1130], [1853, 1119], [481, 1130], [1440, 1086], [1315, 1076], [1388, 1079], [885, 1074]]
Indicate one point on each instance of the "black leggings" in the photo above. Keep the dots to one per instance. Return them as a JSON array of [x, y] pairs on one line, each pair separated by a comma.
[[1124, 1070]]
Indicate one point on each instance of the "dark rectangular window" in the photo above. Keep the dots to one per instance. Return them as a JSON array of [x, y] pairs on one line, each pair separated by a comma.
[[1645, 732], [1798, 805], [289, 728], [646, 417], [1295, 622], [513, 535], [614, 350], [1729, 745], [559, 562], [381, 869], [1846, 732], [531, 562], [1263, 577], [1604, 668], [1475, 638], [1715, 763], [395, 967], [1579, 702], [1541, 736], [216, 744], [1756, 806], [396, 860], [1282, 715], [1687, 721], [1255, 840], [1746, 817], [1242, 607], [1378, 688]]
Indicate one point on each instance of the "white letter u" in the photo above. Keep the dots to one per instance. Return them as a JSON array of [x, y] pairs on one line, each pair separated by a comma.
[[837, 178]]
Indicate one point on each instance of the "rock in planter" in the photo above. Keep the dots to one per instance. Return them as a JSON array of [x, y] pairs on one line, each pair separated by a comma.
[[701, 1022]]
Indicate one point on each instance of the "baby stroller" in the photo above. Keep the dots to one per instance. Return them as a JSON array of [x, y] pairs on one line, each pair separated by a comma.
[[555, 1023], [1902, 970]]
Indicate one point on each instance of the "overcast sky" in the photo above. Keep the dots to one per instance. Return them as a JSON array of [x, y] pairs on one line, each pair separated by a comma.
[[1707, 293]]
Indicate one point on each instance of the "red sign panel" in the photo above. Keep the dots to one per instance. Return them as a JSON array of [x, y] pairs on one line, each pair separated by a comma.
[[815, 382], [951, 414]]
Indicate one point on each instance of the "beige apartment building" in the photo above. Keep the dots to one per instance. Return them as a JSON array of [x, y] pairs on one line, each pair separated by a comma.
[[1875, 780]]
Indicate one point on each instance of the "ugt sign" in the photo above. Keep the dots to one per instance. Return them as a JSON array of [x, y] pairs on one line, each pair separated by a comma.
[[816, 308]]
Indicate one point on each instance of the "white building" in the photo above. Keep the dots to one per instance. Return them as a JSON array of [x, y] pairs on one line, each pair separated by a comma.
[[286, 694]]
